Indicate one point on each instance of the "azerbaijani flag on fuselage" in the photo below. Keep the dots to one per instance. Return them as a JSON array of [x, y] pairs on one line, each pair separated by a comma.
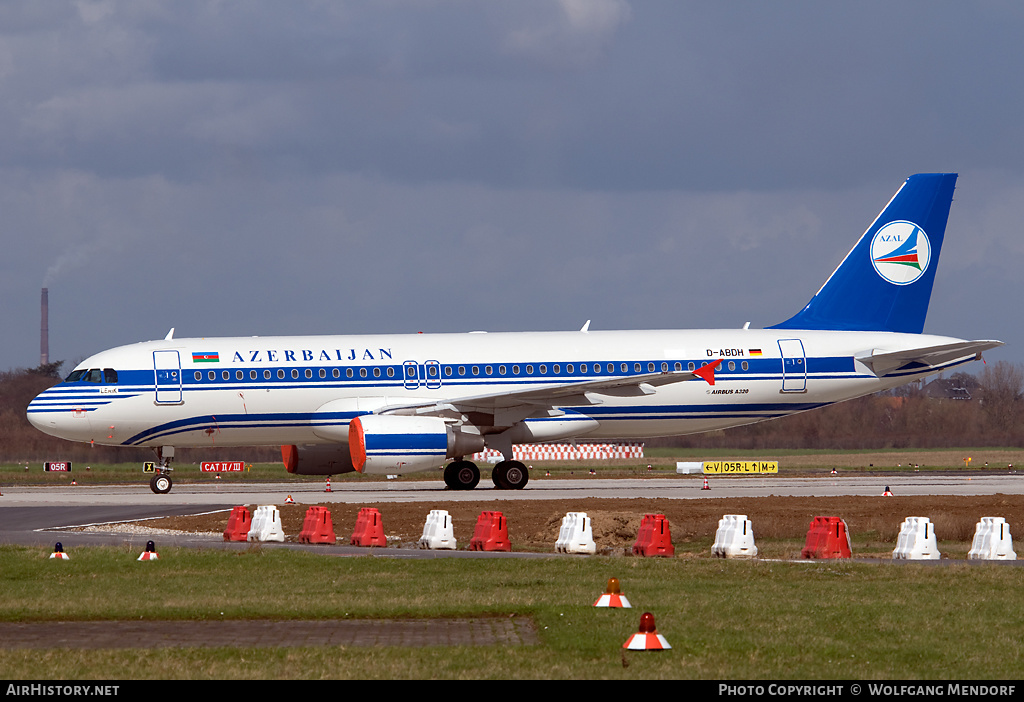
[[205, 357]]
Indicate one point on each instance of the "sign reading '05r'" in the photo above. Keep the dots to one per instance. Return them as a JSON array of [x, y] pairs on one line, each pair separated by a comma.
[[57, 466], [222, 467]]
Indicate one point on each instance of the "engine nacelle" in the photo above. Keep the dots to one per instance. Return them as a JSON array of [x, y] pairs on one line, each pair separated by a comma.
[[396, 444], [317, 459]]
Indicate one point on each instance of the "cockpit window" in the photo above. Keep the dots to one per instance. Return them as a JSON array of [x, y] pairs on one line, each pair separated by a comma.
[[93, 375]]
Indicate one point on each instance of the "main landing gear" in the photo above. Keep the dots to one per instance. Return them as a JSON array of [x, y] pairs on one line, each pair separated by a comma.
[[461, 475], [161, 482], [510, 475], [507, 475]]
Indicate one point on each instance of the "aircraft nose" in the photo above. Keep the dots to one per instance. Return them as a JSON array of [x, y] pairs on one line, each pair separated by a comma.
[[52, 415]]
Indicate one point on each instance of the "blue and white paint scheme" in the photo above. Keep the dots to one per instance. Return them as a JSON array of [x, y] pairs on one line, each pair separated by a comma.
[[401, 403]]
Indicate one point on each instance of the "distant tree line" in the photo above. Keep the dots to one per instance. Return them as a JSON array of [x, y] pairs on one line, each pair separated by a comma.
[[945, 412]]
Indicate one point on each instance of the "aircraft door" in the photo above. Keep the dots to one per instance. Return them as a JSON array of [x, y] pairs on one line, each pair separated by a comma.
[[794, 365], [432, 371], [167, 371], [411, 373], [416, 374]]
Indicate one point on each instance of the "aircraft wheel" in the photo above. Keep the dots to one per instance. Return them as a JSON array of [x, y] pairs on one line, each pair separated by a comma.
[[511, 475], [461, 475], [160, 484]]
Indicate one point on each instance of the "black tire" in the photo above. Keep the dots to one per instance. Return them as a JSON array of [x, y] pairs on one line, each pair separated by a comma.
[[160, 483], [461, 475], [511, 475]]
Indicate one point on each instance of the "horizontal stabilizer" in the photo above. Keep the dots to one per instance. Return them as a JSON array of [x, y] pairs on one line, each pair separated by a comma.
[[881, 362]]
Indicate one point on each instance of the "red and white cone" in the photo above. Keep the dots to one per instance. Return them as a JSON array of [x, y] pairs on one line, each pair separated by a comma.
[[149, 554], [289, 501], [648, 638], [612, 597], [706, 486], [328, 488], [887, 492], [58, 552]]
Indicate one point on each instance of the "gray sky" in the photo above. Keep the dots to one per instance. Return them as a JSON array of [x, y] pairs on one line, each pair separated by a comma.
[[257, 168]]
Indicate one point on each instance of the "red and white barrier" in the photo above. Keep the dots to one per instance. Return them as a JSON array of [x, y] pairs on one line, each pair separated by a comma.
[[566, 452]]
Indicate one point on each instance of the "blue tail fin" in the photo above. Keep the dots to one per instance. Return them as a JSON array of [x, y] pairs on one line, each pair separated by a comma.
[[885, 282]]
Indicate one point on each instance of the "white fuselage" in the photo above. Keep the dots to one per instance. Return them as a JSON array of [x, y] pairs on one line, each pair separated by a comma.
[[249, 391]]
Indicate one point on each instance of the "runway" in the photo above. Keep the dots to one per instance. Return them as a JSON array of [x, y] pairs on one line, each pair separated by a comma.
[[195, 496]]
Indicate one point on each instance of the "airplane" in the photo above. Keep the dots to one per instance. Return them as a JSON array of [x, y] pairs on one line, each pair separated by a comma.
[[394, 404]]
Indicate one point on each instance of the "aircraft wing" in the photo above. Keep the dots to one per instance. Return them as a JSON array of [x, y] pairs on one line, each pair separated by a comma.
[[510, 407], [881, 362]]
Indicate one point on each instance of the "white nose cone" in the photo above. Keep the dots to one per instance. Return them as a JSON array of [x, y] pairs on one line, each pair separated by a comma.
[[56, 416]]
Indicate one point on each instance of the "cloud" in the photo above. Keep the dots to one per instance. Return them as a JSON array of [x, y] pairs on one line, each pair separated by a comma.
[[569, 33], [254, 167]]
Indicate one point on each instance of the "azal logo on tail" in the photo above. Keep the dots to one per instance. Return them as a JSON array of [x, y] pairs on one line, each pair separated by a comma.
[[900, 252]]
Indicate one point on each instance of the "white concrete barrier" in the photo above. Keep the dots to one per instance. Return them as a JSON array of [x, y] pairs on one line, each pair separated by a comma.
[[438, 531], [734, 538], [576, 534], [266, 524], [916, 541], [992, 541]]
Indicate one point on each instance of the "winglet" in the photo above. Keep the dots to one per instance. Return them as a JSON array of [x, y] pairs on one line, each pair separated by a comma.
[[708, 372]]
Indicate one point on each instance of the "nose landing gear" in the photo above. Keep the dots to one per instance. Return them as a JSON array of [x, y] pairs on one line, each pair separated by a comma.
[[161, 482]]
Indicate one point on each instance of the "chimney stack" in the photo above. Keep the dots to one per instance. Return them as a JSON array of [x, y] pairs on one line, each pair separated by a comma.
[[44, 330]]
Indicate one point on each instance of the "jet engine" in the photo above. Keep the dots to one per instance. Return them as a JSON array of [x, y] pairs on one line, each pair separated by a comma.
[[317, 459], [397, 444]]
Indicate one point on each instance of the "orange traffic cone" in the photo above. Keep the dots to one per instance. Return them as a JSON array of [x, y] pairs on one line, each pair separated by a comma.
[[706, 486], [58, 552], [328, 488], [612, 597], [648, 638], [289, 500]]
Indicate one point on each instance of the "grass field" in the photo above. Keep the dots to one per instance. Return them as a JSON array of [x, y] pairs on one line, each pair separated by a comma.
[[724, 619]]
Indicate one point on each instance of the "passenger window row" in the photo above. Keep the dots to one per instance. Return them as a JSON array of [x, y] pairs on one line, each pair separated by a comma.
[[500, 370]]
